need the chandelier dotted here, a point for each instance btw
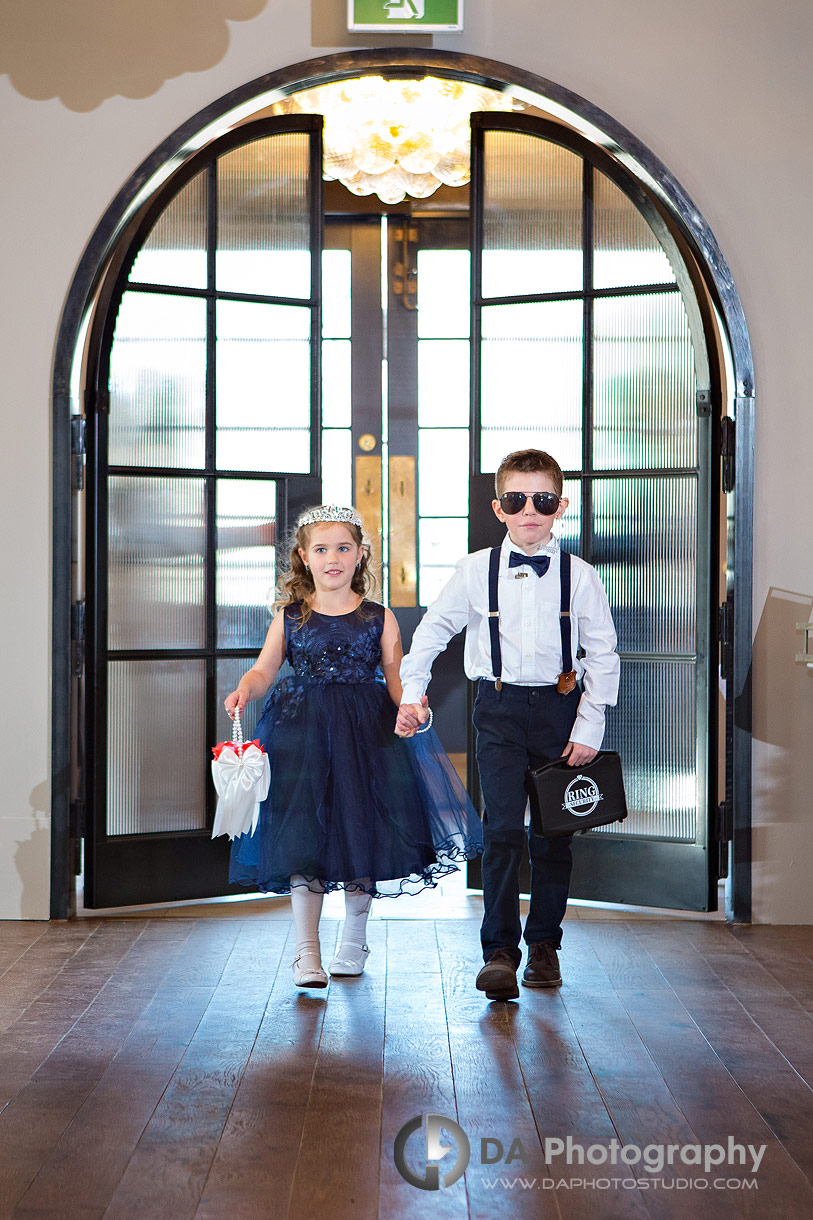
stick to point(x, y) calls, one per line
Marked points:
point(393, 138)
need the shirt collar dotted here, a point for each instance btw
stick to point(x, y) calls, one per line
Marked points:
point(549, 549)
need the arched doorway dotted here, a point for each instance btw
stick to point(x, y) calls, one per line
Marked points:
point(637, 362)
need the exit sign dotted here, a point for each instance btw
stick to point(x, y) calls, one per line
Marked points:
point(403, 16)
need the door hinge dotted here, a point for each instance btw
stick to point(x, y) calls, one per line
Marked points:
point(728, 444)
point(77, 638)
point(703, 402)
point(725, 636)
point(77, 452)
point(724, 822)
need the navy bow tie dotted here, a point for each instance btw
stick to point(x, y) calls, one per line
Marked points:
point(539, 563)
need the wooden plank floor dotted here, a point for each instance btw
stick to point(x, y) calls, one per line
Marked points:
point(167, 1068)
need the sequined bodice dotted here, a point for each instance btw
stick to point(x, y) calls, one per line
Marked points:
point(340, 648)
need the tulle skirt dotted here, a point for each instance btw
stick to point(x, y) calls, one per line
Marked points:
point(350, 804)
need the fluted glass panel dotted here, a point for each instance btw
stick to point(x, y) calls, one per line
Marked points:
point(263, 221)
point(158, 382)
point(653, 729)
point(156, 747)
point(645, 551)
point(263, 387)
point(336, 294)
point(443, 383)
point(644, 410)
point(443, 471)
point(532, 216)
point(229, 672)
point(337, 466)
point(245, 558)
point(569, 526)
point(175, 250)
point(336, 383)
point(444, 294)
point(626, 251)
point(531, 381)
point(443, 540)
point(156, 537)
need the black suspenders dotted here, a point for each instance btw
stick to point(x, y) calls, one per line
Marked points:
point(494, 616)
point(567, 678)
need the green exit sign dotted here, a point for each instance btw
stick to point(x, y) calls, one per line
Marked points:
point(404, 16)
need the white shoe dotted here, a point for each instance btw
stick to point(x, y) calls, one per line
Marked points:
point(349, 960)
point(308, 972)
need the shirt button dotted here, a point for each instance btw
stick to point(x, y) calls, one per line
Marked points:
point(526, 622)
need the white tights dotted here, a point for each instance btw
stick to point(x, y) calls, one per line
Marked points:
point(306, 908)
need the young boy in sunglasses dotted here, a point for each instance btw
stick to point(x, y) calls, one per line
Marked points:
point(527, 710)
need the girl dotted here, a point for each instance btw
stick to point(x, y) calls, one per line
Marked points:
point(350, 804)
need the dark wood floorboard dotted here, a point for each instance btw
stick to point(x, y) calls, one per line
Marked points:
point(168, 1069)
point(766, 1076)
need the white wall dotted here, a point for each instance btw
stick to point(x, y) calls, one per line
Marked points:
point(722, 93)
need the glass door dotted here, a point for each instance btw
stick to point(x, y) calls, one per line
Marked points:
point(201, 444)
point(586, 342)
point(395, 414)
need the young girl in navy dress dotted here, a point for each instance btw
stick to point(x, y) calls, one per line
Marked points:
point(351, 805)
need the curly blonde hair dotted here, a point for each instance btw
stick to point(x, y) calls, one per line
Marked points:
point(296, 584)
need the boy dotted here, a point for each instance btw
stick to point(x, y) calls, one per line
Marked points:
point(520, 716)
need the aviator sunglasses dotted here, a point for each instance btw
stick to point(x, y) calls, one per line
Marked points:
point(545, 502)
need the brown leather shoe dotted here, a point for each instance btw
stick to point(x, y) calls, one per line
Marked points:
point(542, 969)
point(498, 978)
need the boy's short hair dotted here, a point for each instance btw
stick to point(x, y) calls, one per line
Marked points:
point(529, 461)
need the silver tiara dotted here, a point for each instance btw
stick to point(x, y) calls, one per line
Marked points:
point(329, 512)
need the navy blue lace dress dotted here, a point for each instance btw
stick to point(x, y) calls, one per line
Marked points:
point(350, 804)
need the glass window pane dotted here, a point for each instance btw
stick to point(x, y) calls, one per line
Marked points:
point(246, 538)
point(626, 251)
point(155, 563)
point(337, 466)
point(443, 383)
point(158, 382)
point(263, 223)
point(444, 294)
point(442, 542)
point(568, 528)
point(644, 410)
point(532, 216)
point(229, 672)
point(531, 371)
point(156, 747)
point(654, 730)
point(336, 383)
point(443, 471)
point(336, 294)
point(175, 250)
point(263, 387)
point(645, 551)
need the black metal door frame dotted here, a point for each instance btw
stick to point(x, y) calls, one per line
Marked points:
point(149, 867)
point(88, 287)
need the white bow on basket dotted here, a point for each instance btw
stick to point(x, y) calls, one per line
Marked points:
point(242, 777)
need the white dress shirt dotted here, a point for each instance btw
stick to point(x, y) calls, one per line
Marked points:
point(530, 637)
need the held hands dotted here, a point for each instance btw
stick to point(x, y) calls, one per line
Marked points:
point(578, 755)
point(411, 716)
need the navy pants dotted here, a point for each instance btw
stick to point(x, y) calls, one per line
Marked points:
point(520, 727)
